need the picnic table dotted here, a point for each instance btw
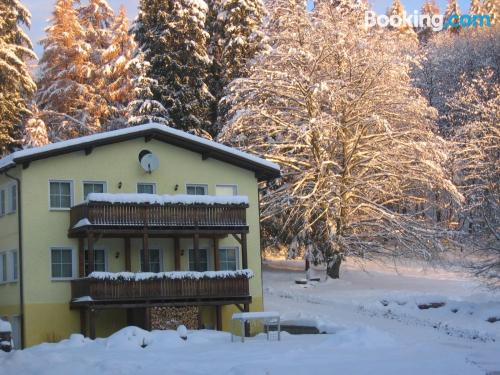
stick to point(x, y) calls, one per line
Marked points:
point(267, 317)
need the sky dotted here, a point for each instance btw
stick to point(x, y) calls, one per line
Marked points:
point(41, 11)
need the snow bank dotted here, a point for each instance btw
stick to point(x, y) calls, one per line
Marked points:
point(5, 326)
point(166, 199)
point(131, 276)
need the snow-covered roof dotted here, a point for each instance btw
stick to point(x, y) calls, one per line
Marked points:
point(263, 168)
point(166, 199)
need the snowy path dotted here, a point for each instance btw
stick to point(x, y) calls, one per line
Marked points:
point(364, 340)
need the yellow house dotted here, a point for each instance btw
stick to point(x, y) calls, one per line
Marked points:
point(146, 226)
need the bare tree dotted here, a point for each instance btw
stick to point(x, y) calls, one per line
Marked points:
point(333, 104)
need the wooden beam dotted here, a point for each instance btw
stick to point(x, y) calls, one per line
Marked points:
point(81, 257)
point(239, 307)
point(92, 318)
point(205, 155)
point(177, 254)
point(148, 138)
point(196, 248)
point(218, 317)
point(88, 150)
point(216, 254)
point(246, 308)
point(128, 260)
point(145, 249)
point(244, 252)
point(26, 165)
point(147, 319)
point(236, 237)
point(90, 251)
point(83, 322)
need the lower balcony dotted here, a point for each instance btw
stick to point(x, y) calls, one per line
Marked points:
point(129, 290)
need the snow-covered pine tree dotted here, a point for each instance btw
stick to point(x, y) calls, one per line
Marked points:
point(452, 8)
point(476, 132)
point(16, 86)
point(334, 105)
point(491, 7)
point(235, 37)
point(429, 8)
point(35, 130)
point(96, 18)
point(118, 72)
point(63, 89)
point(172, 36)
point(405, 29)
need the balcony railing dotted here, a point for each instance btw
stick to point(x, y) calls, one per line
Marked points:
point(95, 290)
point(156, 215)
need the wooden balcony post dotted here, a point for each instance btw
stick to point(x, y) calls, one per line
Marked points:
point(92, 332)
point(216, 254)
point(196, 248)
point(90, 251)
point(128, 263)
point(218, 317)
point(145, 249)
point(81, 257)
point(177, 254)
point(244, 253)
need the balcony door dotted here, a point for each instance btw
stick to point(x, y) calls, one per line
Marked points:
point(155, 260)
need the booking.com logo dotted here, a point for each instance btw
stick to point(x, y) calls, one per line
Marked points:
point(436, 22)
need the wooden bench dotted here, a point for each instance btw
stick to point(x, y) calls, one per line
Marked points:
point(267, 317)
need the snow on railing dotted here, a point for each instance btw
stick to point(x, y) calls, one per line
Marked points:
point(139, 276)
point(166, 199)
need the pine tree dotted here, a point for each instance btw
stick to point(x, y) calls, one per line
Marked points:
point(35, 130)
point(16, 86)
point(490, 7)
point(118, 72)
point(96, 18)
point(64, 92)
point(235, 38)
point(172, 36)
point(406, 29)
point(452, 9)
point(475, 7)
point(430, 9)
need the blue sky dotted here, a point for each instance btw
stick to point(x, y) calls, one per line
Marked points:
point(41, 10)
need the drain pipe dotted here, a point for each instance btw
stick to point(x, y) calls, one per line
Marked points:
point(20, 252)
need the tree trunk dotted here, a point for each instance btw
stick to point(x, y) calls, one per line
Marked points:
point(333, 269)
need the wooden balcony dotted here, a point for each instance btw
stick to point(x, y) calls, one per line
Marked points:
point(159, 291)
point(102, 215)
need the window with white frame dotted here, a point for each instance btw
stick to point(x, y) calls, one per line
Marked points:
point(61, 195)
point(93, 187)
point(99, 261)
point(154, 260)
point(226, 190)
point(2, 202)
point(146, 188)
point(12, 198)
point(202, 259)
point(3, 267)
point(196, 189)
point(62, 263)
point(228, 258)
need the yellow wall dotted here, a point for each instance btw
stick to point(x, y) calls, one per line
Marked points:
point(114, 164)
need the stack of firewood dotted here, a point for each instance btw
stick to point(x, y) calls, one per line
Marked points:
point(172, 317)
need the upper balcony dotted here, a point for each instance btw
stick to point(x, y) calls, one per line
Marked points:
point(176, 213)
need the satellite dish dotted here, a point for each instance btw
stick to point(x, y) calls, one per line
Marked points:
point(149, 161)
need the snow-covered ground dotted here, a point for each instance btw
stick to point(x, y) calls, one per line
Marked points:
point(372, 320)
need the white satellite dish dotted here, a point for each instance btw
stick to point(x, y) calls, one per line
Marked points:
point(149, 161)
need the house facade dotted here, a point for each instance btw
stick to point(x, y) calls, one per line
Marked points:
point(76, 215)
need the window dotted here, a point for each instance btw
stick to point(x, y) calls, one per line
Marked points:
point(226, 190)
point(143, 188)
point(228, 259)
point(202, 257)
point(3, 267)
point(61, 195)
point(62, 263)
point(13, 257)
point(194, 189)
point(13, 198)
point(154, 260)
point(99, 260)
point(2, 202)
point(93, 187)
